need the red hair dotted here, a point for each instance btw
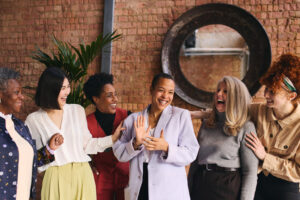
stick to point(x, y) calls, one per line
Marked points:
point(286, 65)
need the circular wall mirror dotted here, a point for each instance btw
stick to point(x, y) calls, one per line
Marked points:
point(209, 42)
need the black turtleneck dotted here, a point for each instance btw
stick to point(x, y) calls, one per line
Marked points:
point(106, 121)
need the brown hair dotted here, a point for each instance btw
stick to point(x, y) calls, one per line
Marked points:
point(286, 65)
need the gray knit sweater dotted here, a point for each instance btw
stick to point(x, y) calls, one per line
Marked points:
point(229, 151)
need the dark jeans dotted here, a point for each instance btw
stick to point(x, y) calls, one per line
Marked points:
point(143, 194)
point(270, 187)
point(212, 185)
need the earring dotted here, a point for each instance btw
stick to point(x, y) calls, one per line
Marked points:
point(0, 100)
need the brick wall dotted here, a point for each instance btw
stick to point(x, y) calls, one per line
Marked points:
point(143, 24)
point(25, 24)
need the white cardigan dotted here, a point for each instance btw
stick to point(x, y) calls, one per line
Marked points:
point(78, 141)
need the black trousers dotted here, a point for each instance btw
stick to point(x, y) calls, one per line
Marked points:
point(215, 185)
point(270, 187)
point(143, 194)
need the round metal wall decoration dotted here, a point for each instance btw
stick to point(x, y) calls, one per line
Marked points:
point(217, 13)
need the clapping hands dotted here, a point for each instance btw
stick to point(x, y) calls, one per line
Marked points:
point(142, 137)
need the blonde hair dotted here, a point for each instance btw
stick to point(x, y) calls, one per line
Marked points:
point(237, 106)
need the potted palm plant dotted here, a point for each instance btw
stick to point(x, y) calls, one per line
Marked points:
point(74, 61)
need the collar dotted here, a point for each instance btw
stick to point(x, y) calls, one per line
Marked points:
point(294, 116)
point(221, 117)
point(5, 116)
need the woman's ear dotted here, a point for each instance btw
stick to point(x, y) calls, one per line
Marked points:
point(95, 99)
point(292, 96)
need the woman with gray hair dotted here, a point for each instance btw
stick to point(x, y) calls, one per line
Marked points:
point(19, 158)
point(225, 168)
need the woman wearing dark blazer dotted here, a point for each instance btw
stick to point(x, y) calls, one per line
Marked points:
point(19, 158)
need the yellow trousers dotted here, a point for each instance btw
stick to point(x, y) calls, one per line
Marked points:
point(73, 181)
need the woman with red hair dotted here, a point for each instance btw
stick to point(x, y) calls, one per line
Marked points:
point(277, 144)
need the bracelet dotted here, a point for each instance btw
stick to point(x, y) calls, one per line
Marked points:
point(50, 150)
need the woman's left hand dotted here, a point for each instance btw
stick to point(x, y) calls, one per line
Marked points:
point(153, 143)
point(256, 146)
point(117, 134)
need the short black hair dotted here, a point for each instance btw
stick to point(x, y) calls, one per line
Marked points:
point(49, 87)
point(94, 85)
point(159, 76)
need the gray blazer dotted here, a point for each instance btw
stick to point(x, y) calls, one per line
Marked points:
point(167, 176)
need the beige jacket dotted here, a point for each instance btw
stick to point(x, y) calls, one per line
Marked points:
point(281, 139)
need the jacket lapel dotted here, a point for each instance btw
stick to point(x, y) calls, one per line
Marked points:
point(163, 120)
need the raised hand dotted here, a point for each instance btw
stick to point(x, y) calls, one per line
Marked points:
point(256, 146)
point(55, 141)
point(141, 133)
point(117, 132)
point(154, 144)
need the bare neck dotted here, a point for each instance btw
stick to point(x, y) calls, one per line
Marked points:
point(54, 112)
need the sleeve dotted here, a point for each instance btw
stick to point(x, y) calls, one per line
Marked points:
point(187, 148)
point(31, 124)
point(123, 148)
point(283, 168)
point(92, 145)
point(34, 131)
point(43, 158)
point(249, 165)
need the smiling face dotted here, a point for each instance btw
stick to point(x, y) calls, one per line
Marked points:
point(64, 93)
point(277, 100)
point(162, 94)
point(220, 97)
point(11, 97)
point(107, 101)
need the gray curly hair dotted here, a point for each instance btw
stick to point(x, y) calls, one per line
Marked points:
point(5, 75)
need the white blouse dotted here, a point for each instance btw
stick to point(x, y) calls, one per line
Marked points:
point(78, 141)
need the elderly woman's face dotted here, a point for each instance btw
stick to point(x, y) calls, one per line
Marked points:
point(12, 97)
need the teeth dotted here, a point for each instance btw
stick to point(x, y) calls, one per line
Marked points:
point(113, 104)
point(162, 102)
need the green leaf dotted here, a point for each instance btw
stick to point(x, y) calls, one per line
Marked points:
point(74, 61)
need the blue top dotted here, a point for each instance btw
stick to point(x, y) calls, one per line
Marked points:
point(9, 157)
